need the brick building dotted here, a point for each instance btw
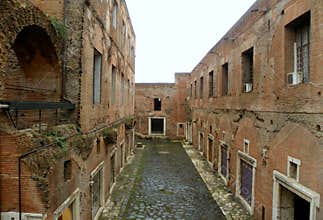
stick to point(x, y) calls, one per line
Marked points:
point(67, 106)
point(160, 108)
point(257, 109)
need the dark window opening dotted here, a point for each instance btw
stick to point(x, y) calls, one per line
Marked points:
point(157, 104)
point(293, 170)
point(98, 147)
point(122, 89)
point(201, 87)
point(225, 79)
point(211, 84)
point(195, 89)
point(157, 126)
point(113, 85)
point(67, 170)
point(247, 70)
point(210, 150)
point(224, 160)
point(112, 170)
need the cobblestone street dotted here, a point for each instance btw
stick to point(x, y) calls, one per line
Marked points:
point(166, 186)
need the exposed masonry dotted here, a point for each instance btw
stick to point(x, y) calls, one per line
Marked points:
point(53, 43)
point(279, 111)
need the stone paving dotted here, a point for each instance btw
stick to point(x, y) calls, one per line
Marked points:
point(168, 186)
point(231, 208)
point(161, 182)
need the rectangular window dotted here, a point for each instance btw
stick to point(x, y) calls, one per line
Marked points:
point(191, 91)
point(123, 33)
point(97, 63)
point(113, 84)
point(293, 168)
point(211, 84)
point(129, 46)
point(246, 181)
point(246, 171)
point(224, 160)
point(195, 89)
point(112, 171)
point(115, 14)
point(225, 79)
point(303, 51)
point(157, 104)
point(201, 87)
point(247, 70)
point(297, 49)
point(97, 183)
point(246, 146)
point(122, 89)
point(133, 53)
point(128, 92)
point(67, 170)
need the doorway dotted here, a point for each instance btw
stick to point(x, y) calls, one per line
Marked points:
point(210, 150)
point(292, 200)
point(201, 142)
point(112, 171)
point(293, 206)
point(157, 126)
point(180, 129)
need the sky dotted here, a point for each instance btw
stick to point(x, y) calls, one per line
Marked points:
point(174, 35)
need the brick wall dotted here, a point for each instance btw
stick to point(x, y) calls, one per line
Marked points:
point(173, 105)
point(279, 120)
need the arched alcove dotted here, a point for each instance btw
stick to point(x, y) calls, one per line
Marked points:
point(34, 70)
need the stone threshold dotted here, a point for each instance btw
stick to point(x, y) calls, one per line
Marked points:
point(230, 206)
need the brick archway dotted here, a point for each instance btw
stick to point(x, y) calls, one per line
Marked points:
point(17, 15)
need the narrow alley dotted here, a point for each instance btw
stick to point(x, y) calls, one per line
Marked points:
point(166, 186)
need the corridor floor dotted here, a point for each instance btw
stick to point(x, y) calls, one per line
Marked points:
point(167, 186)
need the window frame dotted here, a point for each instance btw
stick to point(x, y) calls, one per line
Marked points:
point(99, 170)
point(295, 72)
point(248, 69)
point(225, 80)
point(114, 73)
point(115, 14)
point(97, 77)
point(253, 163)
point(211, 84)
point(157, 104)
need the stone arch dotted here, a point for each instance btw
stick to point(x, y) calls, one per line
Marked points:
point(16, 16)
point(296, 166)
point(225, 125)
point(298, 142)
point(247, 130)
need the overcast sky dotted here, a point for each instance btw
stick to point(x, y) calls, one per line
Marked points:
point(174, 35)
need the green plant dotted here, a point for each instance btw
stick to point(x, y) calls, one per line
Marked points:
point(129, 122)
point(59, 26)
point(110, 135)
